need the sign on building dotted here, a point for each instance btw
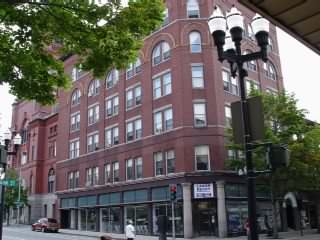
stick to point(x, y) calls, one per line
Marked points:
point(203, 190)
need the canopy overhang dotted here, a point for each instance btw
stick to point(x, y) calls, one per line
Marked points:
point(299, 18)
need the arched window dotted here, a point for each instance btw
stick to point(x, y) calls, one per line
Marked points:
point(251, 65)
point(193, 10)
point(112, 78)
point(75, 97)
point(161, 52)
point(94, 87)
point(270, 71)
point(195, 42)
point(134, 68)
point(51, 180)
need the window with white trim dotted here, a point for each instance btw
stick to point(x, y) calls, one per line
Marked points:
point(74, 148)
point(112, 78)
point(193, 10)
point(75, 98)
point(129, 169)
point(134, 130)
point(133, 69)
point(115, 172)
point(161, 52)
point(230, 84)
point(112, 136)
point(73, 179)
point(199, 114)
point(270, 71)
point(133, 97)
point(228, 116)
point(94, 88)
point(76, 73)
point(93, 114)
point(250, 65)
point(93, 142)
point(158, 164)
point(112, 106)
point(170, 161)
point(195, 42)
point(107, 173)
point(162, 85)
point(202, 158)
point(92, 176)
point(163, 120)
point(138, 168)
point(197, 76)
point(252, 85)
point(75, 122)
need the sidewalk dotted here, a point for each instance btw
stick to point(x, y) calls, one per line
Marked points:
point(292, 235)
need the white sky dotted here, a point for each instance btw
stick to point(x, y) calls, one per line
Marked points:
point(299, 67)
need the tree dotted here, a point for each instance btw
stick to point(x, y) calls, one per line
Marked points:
point(12, 193)
point(103, 36)
point(286, 124)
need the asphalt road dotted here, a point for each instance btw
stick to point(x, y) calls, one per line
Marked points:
point(25, 233)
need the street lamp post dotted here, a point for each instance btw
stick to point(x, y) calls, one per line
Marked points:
point(227, 34)
point(4, 151)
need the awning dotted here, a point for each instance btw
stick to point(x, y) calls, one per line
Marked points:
point(299, 18)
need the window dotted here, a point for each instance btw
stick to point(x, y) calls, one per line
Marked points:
point(112, 78)
point(197, 76)
point(73, 179)
point(112, 136)
point(112, 105)
point(134, 130)
point(52, 150)
point(115, 171)
point(163, 120)
point(251, 65)
point(75, 122)
point(76, 73)
point(228, 116)
point(202, 158)
point(162, 86)
point(133, 97)
point(193, 10)
point(51, 180)
point(252, 85)
point(107, 173)
point(269, 71)
point(129, 169)
point(195, 42)
point(74, 148)
point(230, 84)
point(94, 88)
point(93, 114)
point(160, 53)
point(272, 91)
point(158, 163)
point(170, 160)
point(133, 69)
point(75, 98)
point(270, 46)
point(92, 176)
point(138, 168)
point(199, 114)
point(166, 17)
point(92, 142)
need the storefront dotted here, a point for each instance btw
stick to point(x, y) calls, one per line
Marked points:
point(88, 213)
point(204, 210)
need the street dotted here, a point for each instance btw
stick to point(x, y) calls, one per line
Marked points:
point(25, 233)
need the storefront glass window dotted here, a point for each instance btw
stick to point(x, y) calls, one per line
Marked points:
point(88, 218)
point(111, 220)
point(139, 216)
point(237, 215)
point(165, 209)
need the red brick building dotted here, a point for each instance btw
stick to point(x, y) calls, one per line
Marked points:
point(121, 140)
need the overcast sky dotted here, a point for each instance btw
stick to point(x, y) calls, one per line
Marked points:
point(299, 67)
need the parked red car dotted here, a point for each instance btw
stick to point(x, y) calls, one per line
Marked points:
point(46, 225)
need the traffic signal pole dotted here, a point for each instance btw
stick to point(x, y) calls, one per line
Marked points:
point(173, 222)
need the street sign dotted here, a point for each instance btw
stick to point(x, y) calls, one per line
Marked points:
point(8, 182)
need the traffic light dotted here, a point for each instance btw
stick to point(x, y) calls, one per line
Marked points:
point(173, 192)
point(278, 156)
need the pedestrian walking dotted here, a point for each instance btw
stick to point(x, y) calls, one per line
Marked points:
point(130, 231)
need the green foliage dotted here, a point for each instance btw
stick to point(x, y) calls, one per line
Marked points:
point(285, 123)
point(12, 193)
point(103, 37)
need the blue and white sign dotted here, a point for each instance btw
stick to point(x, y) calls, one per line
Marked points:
point(203, 190)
